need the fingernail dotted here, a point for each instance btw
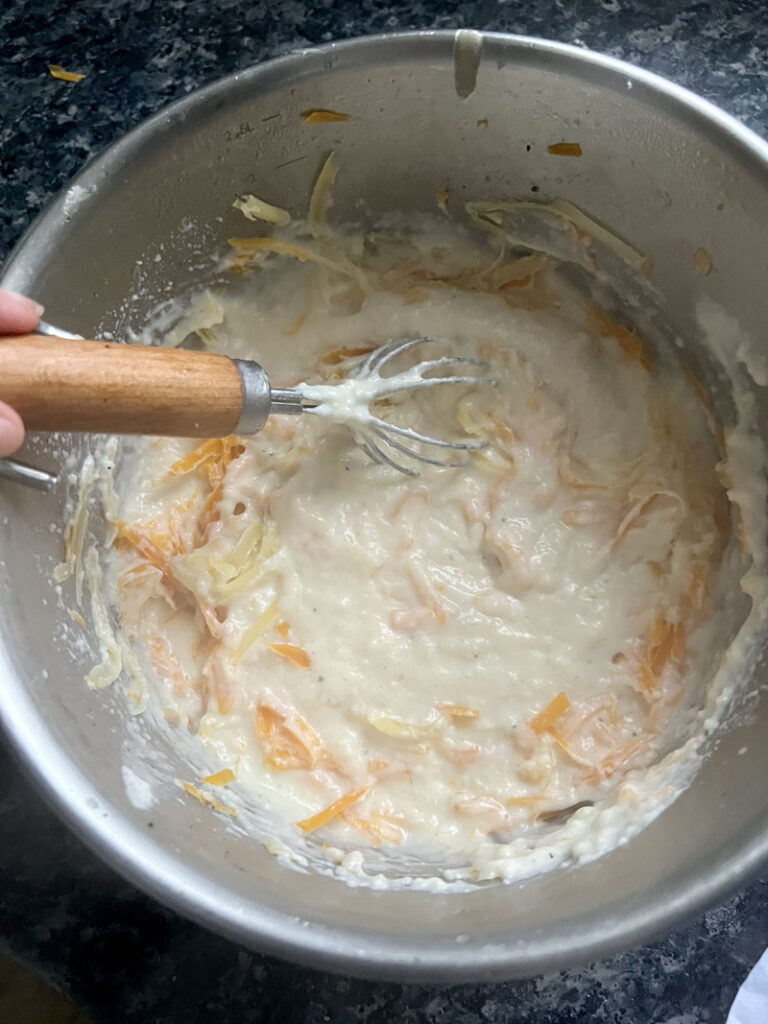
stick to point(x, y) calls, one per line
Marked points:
point(20, 303)
point(17, 312)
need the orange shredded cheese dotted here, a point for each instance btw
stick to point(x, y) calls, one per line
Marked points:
point(698, 586)
point(222, 778)
point(565, 149)
point(289, 745)
point(210, 455)
point(648, 674)
point(155, 547)
point(214, 678)
point(666, 644)
point(283, 629)
point(378, 827)
point(546, 718)
point(338, 355)
point(618, 759)
point(294, 654)
point(199, 456)
point(270, 243)
point(630, 340)
point(56, 71)
point(563, 744)
point(678, 643)
point(267, 244)
point(700, 391)
point(332, 811)
point(213, 456)
point(320, 116)
point(636, 515)
point(242, 267)
point(516, 282)
point(297, 324)
point(210, 801)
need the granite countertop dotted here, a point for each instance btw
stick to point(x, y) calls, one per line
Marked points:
point(120, 954)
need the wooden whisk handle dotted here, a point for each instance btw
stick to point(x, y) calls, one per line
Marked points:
point(104, 387)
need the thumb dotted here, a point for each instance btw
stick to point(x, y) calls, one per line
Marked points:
point(11, 430)
point(18, 314)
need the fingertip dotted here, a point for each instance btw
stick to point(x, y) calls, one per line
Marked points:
point(18, 313)
point(11, 430)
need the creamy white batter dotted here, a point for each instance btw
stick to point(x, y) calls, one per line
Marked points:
point(452, 668)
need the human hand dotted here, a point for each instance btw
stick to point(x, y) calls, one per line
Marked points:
point(18, 315)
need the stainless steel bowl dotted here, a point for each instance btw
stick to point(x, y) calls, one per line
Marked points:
point(669, 171)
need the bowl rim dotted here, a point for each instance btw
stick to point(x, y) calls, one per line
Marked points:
point(143, 861)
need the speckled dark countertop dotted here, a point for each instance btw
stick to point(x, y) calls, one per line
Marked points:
point(122, 956)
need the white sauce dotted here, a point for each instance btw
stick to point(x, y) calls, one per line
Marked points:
point(420, 626)
point(139, 790)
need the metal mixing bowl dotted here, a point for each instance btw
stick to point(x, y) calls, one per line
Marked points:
point(667, 170)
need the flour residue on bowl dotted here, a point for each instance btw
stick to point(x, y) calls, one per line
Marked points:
point(477, 673)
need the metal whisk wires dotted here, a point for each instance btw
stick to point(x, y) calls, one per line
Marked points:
point(385, 442)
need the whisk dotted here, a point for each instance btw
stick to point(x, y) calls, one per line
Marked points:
point(61, 382)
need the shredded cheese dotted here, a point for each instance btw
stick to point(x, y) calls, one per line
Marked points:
point(258, 628)
point(56, 71)
point(105, 673)
point(208, 799)
point(317, 218)
point(320, 116)
point(332, 811)
point(565, 149)
point(289, 744)
point(458, 710)
point(549, 715)
point(257, 209)
point(297, 655)
point(222, 778)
